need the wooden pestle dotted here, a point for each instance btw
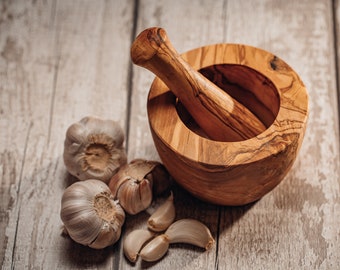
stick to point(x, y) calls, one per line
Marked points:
point(220, 116)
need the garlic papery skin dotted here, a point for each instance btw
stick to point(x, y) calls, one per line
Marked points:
point(93, 149)
point(135, 195)
point(155, 249)
point(133, 243)
point(164, 215)
point(131, 188)
point(160, 179)
point(139, 169)
point(190, 231)
point(90, 214)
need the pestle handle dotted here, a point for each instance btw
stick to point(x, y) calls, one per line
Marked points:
point(219, 115)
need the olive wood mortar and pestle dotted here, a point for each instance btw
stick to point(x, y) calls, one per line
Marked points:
point(227, 120)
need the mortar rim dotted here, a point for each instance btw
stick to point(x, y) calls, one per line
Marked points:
point(286, 81)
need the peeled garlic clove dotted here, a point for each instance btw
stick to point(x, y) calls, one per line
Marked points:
point(134, 241)
point(155, 249)
point(90, 215)
point(93, 149)
point(161, 219)
point(190, 231)
point(135, 196)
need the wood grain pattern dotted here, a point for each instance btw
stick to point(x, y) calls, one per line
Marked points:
point(336, 20)
point(56, 61)
point(62, 60)
point(303, 207)
point(233, 172)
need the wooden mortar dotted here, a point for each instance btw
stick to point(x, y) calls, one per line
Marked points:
point(232, 172)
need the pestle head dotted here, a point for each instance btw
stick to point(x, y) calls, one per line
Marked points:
point(147, 46)
point(217, 113)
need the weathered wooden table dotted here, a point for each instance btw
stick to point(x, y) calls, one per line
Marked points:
point(62, 60)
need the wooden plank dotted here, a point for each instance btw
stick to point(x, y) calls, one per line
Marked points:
point(295, 225)
point(336, 15)
point(181, 20)
point(72, 61)
point(18, 109)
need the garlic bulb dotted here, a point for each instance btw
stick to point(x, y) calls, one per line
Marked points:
point(93, 149)
point(134, 241)
point(130, 186)
point(165, 214)
point(90, 215)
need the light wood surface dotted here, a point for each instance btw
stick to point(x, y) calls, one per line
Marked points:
point(62, 60)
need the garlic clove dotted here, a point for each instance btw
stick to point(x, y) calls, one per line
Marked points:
point(129, 186)
point(162, 218)
point(140, 169)
point(190, 231)
point(133, 243)
point(136, 169)
point(89, 211)
point(93, 149)
point(135, 196)
point(145, 191)
point(132, 185)
point(155, 249)
point(118, 180)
